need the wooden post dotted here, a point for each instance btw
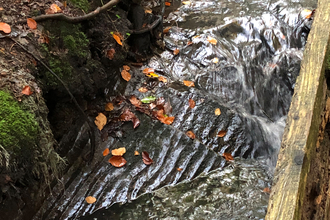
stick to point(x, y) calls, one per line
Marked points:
point(302, 126)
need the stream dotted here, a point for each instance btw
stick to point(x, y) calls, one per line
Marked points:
point(249, 74)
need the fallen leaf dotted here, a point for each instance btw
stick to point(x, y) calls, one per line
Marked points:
point(108, 107)
point(228, 156)
point(117, 161)
point(191, 134)
point(136, 102)
point(168, 3)
point(148, 70)
point(179, 169)
point(106, 152)
point(126, 75)
point(176, 51)
point(188, 83)
point(152, 75)
point(212, 40)
point(215, 60)
point(148, 11)
point(119, 151)
point(5, 27)
point(217, 111)
point(117, 38)
point(189, 43)
point(136, 153)
point(166, 30)
point(162, 79)
point(148, 99)
point(186, 2)
point(146, 159)
point(100, 121)
point(306, 13)
point(221, 133)
point(111, 53)
point(192, 103)
point(127, 68)
point(129, 116)
point(163, 118)
point(26, 90)
point(32, 23)
point(143, 90)
point(90, 199)
point(266, 190)
point(53, 9)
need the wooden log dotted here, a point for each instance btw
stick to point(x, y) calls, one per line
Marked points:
point(302, 127)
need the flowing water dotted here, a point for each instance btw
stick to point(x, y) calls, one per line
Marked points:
point(259, 48)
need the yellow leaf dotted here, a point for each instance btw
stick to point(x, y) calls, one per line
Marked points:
point(100, 121)
point(117, 38)
point(108, 107)
point(152, 75)
point(90, 199)
point(215, 60)
point(217, 111)
point(119, 151)
point(212, 40)
point(186, 2)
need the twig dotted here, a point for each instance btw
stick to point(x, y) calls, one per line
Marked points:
point(91, 132)
point(63, 17)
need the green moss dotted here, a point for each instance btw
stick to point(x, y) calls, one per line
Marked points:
point(18, 128)
point(82, 4)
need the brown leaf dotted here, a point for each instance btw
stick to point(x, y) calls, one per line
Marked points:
point(90, 199)
point(106, 152)
point(192, 103)
point(162, 79)
point(26, 90)
point(164, 119)
point(176, 51)
point(217, 111)
point(179, 169)
point(53, 9)
point(212, 40)
point(136, 102)
point(5, 27)
point(136, 153)
point(32, 23)
point(143, 90)
point(222, 133)
point(266, 190)
point(119, 151)
point(228, 156)
point(146, 159)
point(117, 161)
point(126, 75)
point(191, 134)
point(168, 3)
point(129, 116)
point(166, 30)
point(189, 43)
point(188, 83)
point(100, 121)
point(127, 68)
point(109, 107)
point(117, 38)
point(111, 53)
point(148, 70)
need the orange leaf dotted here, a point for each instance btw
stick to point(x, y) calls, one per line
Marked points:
point(146, 159)
point(189, 43)
point(100, 121)
point(127, 68)
point(192, 103)
point(117, 161)
point(108, 107)
point(266, 190)
point(188, 83)
point(221, 133)
point(217, 111)
point(5, 27)
point(32, 23)
point(111, 53)
point(135, 101)
point(162, 79)
point(106, 152)
point(148, 70)
point(117, 38)
point(148, 11)
point(176, 51)
point(191, 134)
point(90, 199)
point(212, 40)
point(126, 75)
point(136, 153)
point(26, 90)
point(119, 151)
point(179, 169)
point(166, 30)
point(227, 156)
point(164, 119)
point(143, 90)
point(168, 3)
